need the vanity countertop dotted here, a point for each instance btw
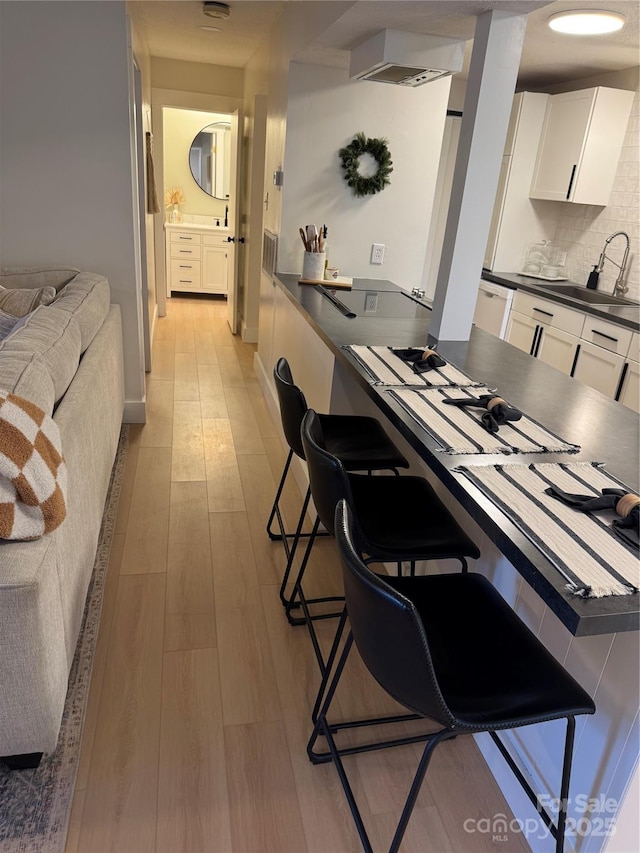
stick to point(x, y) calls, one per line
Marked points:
point(195, 226)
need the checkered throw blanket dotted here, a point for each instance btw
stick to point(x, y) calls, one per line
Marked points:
point(33, 475)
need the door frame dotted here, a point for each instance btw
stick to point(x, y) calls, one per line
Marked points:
point(177, 99)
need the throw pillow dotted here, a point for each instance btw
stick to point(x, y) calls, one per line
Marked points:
point(7, 324)
point(20, 301)
point(33, 474)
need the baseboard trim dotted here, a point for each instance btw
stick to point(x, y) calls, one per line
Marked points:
point(249, 334)
point(135, 412)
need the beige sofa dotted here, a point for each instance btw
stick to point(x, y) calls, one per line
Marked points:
point(66, 358)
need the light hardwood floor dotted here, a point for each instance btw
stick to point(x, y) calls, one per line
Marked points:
point(199, 707)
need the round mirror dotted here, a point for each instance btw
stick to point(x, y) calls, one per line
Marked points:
point(209, 158)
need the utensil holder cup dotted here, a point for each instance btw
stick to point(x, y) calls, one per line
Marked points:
point(313, 266)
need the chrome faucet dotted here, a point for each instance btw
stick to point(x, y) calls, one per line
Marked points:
point(619, 287)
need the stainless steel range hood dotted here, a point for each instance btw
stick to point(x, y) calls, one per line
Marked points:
point(406, 59)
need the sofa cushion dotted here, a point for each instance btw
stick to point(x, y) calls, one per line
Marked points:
point(87, 297)
point(50, 339)
point(21, 300)
point(36, 276)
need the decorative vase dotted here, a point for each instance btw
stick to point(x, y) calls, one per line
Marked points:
point(175, 213)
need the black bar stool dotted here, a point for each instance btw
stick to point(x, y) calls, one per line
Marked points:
point(450, 649)
point(398, 519)
point(359, 442)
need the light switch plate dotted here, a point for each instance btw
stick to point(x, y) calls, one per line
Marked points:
point(377, 253)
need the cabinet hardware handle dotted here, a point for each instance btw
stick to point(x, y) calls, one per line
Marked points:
point(623, 376)
point(186, 238)
point(573, 174)
point(488, 295)
point(240, 239)
point(540, 311)
point(231, 239)
point(185, 281)
point(602, 335)
point(535, 343)
point(185, 266)
point(185, 251)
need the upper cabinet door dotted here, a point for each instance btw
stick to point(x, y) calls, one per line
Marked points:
point(580, 145)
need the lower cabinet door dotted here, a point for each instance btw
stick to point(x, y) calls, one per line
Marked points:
point(599, 368)
point(558, 349)
point(215, 267)
point(630, 392)
point(521, 331)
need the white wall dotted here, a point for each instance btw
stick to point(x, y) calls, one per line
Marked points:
point(325, 111)
point(65, 153)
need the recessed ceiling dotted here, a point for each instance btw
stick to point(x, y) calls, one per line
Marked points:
point(171, 30)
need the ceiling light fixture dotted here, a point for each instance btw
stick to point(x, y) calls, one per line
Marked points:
point(210, 29)
point(586, 22)
point(216, 10)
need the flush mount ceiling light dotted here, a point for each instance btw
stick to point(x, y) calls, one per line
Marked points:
point(586, 22)
point(216, 10)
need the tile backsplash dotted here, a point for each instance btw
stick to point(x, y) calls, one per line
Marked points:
point(583, 228)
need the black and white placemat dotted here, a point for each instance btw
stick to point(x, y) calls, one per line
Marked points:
point(582, 546)
point(460, 430)
point(384, 367)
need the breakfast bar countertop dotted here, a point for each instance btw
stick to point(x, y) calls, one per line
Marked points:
point(607, 432)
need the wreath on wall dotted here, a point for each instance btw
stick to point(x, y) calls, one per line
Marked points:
point(350, 156)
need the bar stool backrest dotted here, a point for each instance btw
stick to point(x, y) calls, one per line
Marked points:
point(388, 631)
point(292, 405)
point(327, 477)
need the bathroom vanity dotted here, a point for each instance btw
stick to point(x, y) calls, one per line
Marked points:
point(197, 258)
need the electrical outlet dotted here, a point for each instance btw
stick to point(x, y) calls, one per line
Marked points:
point(377, 253)
point(371, 303)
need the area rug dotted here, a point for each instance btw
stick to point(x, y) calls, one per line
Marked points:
point(35, 804)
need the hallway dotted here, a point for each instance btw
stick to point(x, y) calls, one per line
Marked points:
point(201, 692)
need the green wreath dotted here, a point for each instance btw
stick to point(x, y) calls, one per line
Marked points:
point(350, 156)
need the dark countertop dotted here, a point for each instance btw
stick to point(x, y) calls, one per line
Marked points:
point(606, 430)
point(622, 315)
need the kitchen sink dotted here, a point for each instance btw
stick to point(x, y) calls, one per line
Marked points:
point(594, 297)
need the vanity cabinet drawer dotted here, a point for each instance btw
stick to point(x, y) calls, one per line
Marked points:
point(186, 250)
point(215, 240)
point(185, 237)
point(607, 335)
point(548, 313)
point(185, 275)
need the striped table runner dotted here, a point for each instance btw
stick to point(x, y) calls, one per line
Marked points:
point(385, 368)
point(583, 547)
point(460, 430)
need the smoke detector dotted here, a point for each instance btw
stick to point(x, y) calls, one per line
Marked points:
point(406, 59)
point(216, 10)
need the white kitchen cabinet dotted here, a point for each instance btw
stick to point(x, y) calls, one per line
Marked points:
point(580, 145)
point(522, 332)
point(516, 219)
point(547, 330)
point(197, 260)
point(557, 348)
point(630, 388)
point(603, 351)
point(630, 385)
point(599, 368)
